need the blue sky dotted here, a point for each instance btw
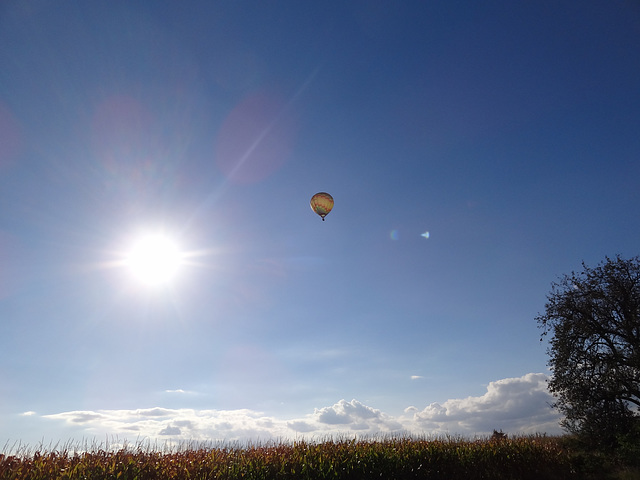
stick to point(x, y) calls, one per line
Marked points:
point(507, 130)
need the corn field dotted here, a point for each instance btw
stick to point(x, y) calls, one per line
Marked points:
point(535, 457)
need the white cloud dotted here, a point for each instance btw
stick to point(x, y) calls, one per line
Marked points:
point(515, 405)
point(356, 416)
point(512, 404)
point(172, 431)
point(181, 391)
point(300, 426)
point(351, 417)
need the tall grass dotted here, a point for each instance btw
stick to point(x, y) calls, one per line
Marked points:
point(535, 457)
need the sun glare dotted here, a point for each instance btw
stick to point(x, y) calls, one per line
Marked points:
point(154, 259)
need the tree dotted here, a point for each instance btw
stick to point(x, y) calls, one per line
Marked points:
point(594, 321)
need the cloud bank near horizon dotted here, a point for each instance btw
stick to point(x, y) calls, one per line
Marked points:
point(515, 405)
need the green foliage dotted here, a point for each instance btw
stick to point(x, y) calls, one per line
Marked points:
point(392, 459)
point(628, 451)
point(594, 320)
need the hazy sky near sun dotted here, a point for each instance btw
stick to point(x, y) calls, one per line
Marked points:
point(509, 131)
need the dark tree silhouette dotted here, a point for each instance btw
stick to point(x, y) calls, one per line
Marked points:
point(594, 321)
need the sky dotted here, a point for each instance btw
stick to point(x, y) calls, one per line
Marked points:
point(163, 277)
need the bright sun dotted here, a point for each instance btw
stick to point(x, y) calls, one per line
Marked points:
point(154, 259)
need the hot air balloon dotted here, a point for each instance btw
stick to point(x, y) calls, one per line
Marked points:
point(322, 203)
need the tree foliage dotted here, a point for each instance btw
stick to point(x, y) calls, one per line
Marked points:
point(594, 321)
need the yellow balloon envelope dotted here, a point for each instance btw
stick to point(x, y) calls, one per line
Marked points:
point(322, 203)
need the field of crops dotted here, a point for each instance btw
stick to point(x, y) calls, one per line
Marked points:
point(391, 458)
